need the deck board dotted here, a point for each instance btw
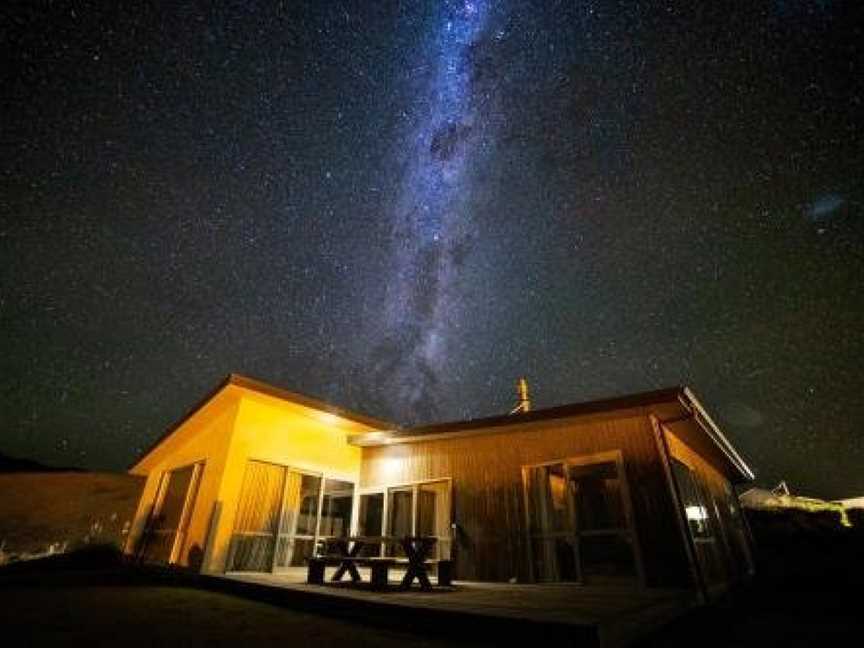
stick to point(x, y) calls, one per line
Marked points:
point(612, 615)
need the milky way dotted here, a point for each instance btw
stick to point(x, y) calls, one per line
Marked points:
point(431, 218)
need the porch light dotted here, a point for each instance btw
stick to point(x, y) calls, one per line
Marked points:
point(379, 437)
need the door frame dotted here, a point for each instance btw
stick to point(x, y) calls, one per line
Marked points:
point(279, 531)
point(324, 476)
point(186, 512)
point(414, 485)
point(573, 532)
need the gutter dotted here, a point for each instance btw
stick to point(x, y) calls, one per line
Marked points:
point(689, 401)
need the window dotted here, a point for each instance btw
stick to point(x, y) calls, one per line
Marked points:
point(370, 521)
point(256, 524)
point(693, 501)
point(165, 536)
point(553, 547)
point(433, 509)
point(696, 500)
point(336, 509)
point(604, 539)
point(400, 505)
point(423, 508)
point(546, 492)
point(283, 513)
point(597, 496)
point(299, 518)
point(577, 521)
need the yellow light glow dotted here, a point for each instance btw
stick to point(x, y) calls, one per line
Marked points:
point(391, 467)
point(328, 418)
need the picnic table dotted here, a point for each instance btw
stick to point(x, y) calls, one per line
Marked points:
point(345, 554)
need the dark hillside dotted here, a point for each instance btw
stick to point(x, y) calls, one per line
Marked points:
point(14, 465)
point(45, 512)
point(810, 572)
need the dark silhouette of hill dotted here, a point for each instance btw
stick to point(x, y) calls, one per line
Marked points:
point(16, 465)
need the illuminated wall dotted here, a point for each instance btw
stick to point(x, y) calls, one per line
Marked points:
point(203, 437)
point(236, 425)
point(488, 491)
point(270, 429)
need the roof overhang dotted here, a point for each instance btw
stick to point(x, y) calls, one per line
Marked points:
point(672, 406)
point(712, 431)
point(235, 384)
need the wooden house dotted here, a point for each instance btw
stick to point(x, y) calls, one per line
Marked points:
point(636, 490)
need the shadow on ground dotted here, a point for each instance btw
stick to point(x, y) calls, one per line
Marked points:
point(807, 589)
point(807, 592)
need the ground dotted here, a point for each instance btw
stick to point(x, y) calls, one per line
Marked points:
point(807, 589)
point(166, 615)
point(162, 615)
point(807, 592)
point(765, 618)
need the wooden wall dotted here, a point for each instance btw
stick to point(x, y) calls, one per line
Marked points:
point(726, 559)
point(488, 492)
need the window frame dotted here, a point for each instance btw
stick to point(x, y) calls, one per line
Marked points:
point(704, 494)
point(573, 532)
point(187, 510)
point(414, 485)
point(324, 475)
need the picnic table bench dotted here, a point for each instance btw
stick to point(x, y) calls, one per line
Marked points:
point(416, 549)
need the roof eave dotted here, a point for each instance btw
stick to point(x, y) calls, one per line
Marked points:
point(717, 437)
point(252, 384)
point(456, 428)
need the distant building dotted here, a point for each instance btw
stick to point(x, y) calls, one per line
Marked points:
point(634, 490)
point(780, 497)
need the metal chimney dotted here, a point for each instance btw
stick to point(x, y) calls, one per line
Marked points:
point(524, 401)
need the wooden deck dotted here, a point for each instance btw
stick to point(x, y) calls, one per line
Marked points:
point(581, 615)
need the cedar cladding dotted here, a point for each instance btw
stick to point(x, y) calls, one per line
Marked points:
point(488, 504)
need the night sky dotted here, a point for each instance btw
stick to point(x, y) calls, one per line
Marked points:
point(402, 207)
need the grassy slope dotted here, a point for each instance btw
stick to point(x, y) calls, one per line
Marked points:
point(78, 508)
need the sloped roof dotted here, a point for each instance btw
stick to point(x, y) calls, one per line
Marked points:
point(681, 399)
point(270, 390)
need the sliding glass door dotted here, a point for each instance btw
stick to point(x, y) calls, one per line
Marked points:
point(299, 519)
point(253, 543)
point(370, 521)
point(578, 520)
point(695, 499)
point(165, 536)
point(433, 517)
point(553, 545)
point(336, 508)
point(421, 509)
point(604, 538)
point(283, 513)
point(400, 516)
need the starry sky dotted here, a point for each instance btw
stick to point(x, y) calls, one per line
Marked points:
point(402, 207)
